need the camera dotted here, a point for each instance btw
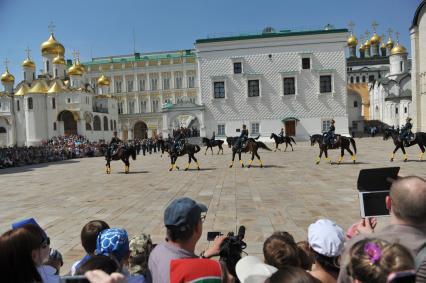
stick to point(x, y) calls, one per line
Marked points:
point(231, 249)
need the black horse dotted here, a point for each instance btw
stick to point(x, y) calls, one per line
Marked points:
point(190, 149)
point(232, 140)
point(279, 140)
point(251, 146)
point(123, 153)
point(210, 144)
point(420, 139)
point(341, 142)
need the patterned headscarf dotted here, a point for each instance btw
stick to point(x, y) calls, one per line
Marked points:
point(140, 249)
point(113, 242)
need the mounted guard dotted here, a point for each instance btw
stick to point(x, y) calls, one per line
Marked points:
point(406, 134)
point(242, 139)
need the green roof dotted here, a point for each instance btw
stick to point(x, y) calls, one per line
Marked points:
point(282, 33)
point(142, 57)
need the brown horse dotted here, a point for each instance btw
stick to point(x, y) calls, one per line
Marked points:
point(187, 148)
point(123, 153)
point(251, 146)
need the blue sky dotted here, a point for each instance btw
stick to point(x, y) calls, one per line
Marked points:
point(102, 28)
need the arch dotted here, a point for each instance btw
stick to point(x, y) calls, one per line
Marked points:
point(70, 122)
point(88, 127)
point(3, 130)
point(140, 130)
point(96, 123)
point(105, 123)
point(417, 15)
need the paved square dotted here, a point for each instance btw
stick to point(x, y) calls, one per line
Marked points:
point(288, 194)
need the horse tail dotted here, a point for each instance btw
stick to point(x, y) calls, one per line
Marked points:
point(291, 138)
point(353, 143)
point(197, 148)
point(262, 145)
point(257, 137)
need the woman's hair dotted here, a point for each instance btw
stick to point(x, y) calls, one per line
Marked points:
point(372, 260)
point(307, 256)
point(102, 262)
point(280, 250)
point(329, 264)
point(16, 261)
point(291, 274)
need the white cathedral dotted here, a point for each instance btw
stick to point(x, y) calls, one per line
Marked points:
point(57, 102)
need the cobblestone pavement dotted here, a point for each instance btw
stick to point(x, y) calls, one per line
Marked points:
point(288, 194)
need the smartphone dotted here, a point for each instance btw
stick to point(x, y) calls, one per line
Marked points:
point(408, 276)
point(74, 279)
point(373, 204)
point(212, 235)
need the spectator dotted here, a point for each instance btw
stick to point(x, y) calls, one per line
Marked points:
point(326, 239)
point(196, 270)
point(291, 274)
point(140, 249)
point(372, 260)
point(54, 261)
point(89, 235)
point(406, 204)
point(99, 262)
point(251, 269)
point(308, 257)
point(280, 250)
point(184, 222)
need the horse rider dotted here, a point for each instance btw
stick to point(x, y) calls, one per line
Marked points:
point(281, 134)
point(113, 144)
point(212, 139)
point(406, 132)
point(176, 147)
point(242, 138)
point(329, 136)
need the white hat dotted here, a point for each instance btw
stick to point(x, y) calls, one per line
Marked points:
point(251, 269)
point(326, 238)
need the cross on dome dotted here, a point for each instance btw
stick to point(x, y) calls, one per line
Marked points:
point(374, 24)
point(51, 27)
point(351, 26)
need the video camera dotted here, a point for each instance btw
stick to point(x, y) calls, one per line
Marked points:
point(231, 248)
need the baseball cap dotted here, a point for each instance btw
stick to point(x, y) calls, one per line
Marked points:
point(113, 242)
point(183, 211)
point(251, 269)
point(326, 237)
point(28, 221)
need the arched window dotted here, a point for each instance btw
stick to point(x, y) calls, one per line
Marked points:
point(110, 125)
point(115, 126)
point(352, 80)
point(30, 103)
point(105, 124)
point(97, 123)
point(47, 66)
point(363, 79)
point(2, 130)
point(357, 79)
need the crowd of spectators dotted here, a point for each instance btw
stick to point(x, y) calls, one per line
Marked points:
point(55, 149)
point(187, 132)
point(396, 253)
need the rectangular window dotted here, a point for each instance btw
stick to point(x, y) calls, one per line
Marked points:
point(396, 110)
point(289, 86)
point(253, 88)
point(143, 106)
point(155, 106)
point(120, 108)
point(357, 79)
point(219, 89)
point(238, 68)
point(141, 85)
point(325, 84)
point(355, 104)
point(191, 82)
point(54, 126)
point(30, 103)
point(129, 86)
point(401, 66)
point(53, 103)
point(131, 106)
point(153, 84)
point(306, 63)
point(326, 125)
point(69, 100)
point(221, 130)
point(405, 110)
point(25, 76)
point(118, 86)
point(178, 82)
point(254, 129)
point(166, 83)
point(17, 105)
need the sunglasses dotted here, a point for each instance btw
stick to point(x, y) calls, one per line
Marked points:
point(45, 242)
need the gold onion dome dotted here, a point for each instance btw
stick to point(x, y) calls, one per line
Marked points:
point(367, 44)
point(103, 81)
point(389, 44)
point(375, 39)
point(55, 87)
point(352, 40)
point(28, 63)
point(39, 87)
point(24, 89)
point(76, 69)
point(398, 49)
point(80, 67)
point(7, 77)
point(59, 60)
point(52, 47)
point(361, 47)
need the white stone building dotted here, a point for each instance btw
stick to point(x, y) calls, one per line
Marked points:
point(55, 103)
point(274, 79)
point(418, 53)
point(156, 92)
point(390, 96)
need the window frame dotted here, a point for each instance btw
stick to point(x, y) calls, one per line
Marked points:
point(283, 85)
point(224, 89)
point(219, 134)
point(331, 83)
point(259, 87)
point(30, 103)
point(327, 122)
point(304, 58)
point(240, 68)
point(253, 133)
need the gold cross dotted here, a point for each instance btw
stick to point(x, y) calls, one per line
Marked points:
point(351, 26)
point(6, 62)
point(28, 50)
point(374, 24)
point(51, 27)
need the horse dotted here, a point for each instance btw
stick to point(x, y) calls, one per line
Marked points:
point(188, 148)
point(342, 143)
point(279, 140)
point(123, 153)
point(251, 146)
point(420, 139)
point(210, 144)
point(231, 140)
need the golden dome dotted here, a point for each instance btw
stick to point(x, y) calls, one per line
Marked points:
point(103, 81)
point(361, 47)
point(75, 70)
point(383, 46)
point(52, 47)
point(352, 40)
point(398, 49)
point(367, 44)
point(22, 90)
point(28, 63)
point(59, 60)
point(7, 77)
point(55, 87)
point(375, 39)
point(81, 67)
point(39, 87)
point(389, 44)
